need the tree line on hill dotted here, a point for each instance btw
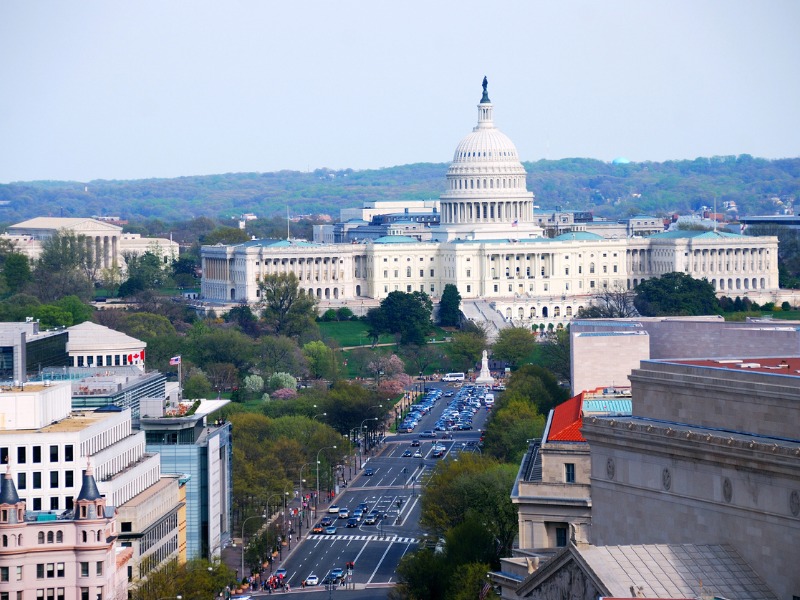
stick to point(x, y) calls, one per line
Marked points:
point(608, 189)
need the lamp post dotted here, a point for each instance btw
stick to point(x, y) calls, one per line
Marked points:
point(243, 544)
point(361, 428)
point(376, 418)
point(285, 510)
point(320, 415)
point(318, 453)
point(270, 497)
point(303, 504)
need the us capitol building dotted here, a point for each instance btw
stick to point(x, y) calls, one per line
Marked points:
point(489, 245)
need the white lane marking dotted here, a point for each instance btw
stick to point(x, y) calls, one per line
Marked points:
point(378, 566)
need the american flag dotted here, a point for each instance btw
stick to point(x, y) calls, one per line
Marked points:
point(175, 360)
point(515, 223)
point(485, 591)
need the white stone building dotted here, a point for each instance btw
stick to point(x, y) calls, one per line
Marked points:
point(105, 240)
point(491, 247)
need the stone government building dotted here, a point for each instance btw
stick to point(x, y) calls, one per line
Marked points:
point(491, 246)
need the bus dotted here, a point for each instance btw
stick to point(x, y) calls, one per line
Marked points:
point(453, 377)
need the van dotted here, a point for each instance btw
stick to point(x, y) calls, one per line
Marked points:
point(488, 399)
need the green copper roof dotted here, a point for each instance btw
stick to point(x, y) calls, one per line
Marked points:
point(583, 236)
point(695, 234)
point(395, 239)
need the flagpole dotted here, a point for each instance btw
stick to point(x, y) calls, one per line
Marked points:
point(180, 380)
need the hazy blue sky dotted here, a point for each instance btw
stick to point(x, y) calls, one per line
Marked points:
point(124, 89)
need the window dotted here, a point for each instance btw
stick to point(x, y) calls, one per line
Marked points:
point(37, 454)
point(50, 537)
point(59, 569)
point(40, 570)
point(19, 573)
point(37, 504)
point(59, 593)
point(84, 593)
point(569, 473)
point(84, 569)
point(54, 503)
point(469, 289)
point(59, 537)
point(3, 455)
point(469, 273)
point(99, 570)
point(51, 570)
point(68, 478)
point(22, 481)
point(53, 479)
point(21, 451)
point(431, 272)
point(3, 573)
point(561, 537)
point(37, 481)
point(495, 287)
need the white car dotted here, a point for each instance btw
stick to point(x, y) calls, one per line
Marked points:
point(312, 580)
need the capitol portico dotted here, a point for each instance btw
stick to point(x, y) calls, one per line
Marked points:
point(491, 247)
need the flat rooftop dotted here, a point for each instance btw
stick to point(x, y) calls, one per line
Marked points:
point(76, 421)
point(773, 365)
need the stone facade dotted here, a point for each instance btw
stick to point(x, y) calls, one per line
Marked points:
point(712, 455)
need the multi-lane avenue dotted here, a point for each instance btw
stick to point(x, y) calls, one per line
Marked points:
point(392, 491)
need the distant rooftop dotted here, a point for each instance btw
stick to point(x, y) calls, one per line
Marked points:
point(788, 365)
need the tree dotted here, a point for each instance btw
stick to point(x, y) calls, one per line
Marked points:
point(408, 315)
point(244, 318)
point(17, 271)
point(555, 353)
point(514, 345)
point(611, 303)
point(466, 349)
point(344, 314)
point(225, 235)
point(280, 353)
point(284, 307)
point(66, 265)
point(321, 360)
point(450, 306)
point(197, 385)
point(79, 310)
point(675, 294)
point(420, 358)
point(278, 381)
point(145, 271)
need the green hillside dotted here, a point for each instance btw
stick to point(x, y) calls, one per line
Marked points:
point(609, 190)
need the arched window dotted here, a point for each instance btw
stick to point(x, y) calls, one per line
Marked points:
point(40, 537)
point(408, 272)
point(84, 536)
point(569, 311)
point(591, 267)
point(544, 312)
point(557, 311)
point(59, 536)
point(50, 537)
point(5, 541)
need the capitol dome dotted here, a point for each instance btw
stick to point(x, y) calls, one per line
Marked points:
point(486, 180)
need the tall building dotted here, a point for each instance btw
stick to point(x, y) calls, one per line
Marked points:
point(491, 247)
point(66, 556)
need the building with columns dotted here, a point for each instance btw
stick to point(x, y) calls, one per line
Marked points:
point(106, 241)
point(490, 245)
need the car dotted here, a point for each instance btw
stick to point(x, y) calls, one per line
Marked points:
point(344, 513)
point(437, 453)
point(417, 454)
point(326, 521)
point(358, 513)
point(369, 472)
point(280, 573)
point(318, 528)
point(362, 506)
point(333, 508)
point(336, 573)
point(428, 433)
point(415, 443)
point(407, 454)
point(371, 519)
point(352, 522)
point(312, 580)
point(330, 530)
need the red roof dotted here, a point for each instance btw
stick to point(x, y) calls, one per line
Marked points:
point(567, 421)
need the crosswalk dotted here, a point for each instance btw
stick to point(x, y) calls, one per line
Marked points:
point(392, 539)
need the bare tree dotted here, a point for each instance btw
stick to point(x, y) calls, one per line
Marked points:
point(611, 303)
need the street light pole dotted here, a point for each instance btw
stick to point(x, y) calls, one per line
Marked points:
point(318, 453)
point(361, 428)
point(243, 544)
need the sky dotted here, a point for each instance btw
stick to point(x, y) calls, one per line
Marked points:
point(165, 88)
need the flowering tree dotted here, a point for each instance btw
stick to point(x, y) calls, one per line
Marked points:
point(284, 394)
point(388, 365)
point(278, 381)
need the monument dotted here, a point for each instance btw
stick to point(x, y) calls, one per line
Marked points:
point(485, 377)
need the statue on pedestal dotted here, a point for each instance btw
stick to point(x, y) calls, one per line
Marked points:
point(485, 376)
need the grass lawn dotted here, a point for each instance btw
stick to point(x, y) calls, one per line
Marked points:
point(354, 333)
